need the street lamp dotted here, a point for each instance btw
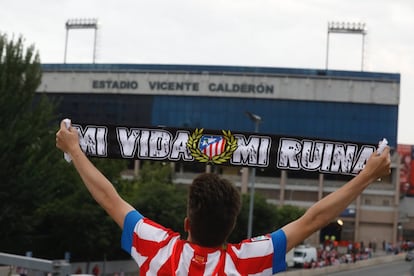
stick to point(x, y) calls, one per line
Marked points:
point(88, 23)
point(400, 233)
point(347, 28)
point(257, 120)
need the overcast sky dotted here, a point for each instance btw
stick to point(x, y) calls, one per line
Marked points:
point(270, 33)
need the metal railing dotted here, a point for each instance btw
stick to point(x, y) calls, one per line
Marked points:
point(55, 267)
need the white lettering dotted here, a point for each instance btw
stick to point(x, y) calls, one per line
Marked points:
point(179, 148)
point(287, 155)
point(93, 140)
point(323, 156)
point(255, 151)
point(159, 144)
point(312, 155)
point(327, 157)
point(343, 158)
point(364, 154)
point(127, 140)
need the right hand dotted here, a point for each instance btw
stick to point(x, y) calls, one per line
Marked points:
point(67, 140)
point(377, 165)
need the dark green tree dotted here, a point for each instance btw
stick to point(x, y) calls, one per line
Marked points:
point(75, 223)
point(44, 207)
point(288, 213)
point(26, 143)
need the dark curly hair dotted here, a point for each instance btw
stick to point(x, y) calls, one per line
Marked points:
point(213, 205)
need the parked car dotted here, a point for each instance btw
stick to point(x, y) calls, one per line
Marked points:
point(410, 256)
point(304, 255)
point(289, 259)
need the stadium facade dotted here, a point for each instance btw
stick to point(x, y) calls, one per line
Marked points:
point(349, 106)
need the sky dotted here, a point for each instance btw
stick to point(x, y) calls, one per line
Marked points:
point(265, 33)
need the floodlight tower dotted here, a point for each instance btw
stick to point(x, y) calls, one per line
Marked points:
point(87, 23)
point(347, 28)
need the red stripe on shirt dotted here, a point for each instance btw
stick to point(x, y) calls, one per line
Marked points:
point(198, 264)
point(251, 265)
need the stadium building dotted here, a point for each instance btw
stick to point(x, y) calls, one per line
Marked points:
point(359, 107)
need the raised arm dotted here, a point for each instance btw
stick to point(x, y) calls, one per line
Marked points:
point(331, 206)
point(98, 185)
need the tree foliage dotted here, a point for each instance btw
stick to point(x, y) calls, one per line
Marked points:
point(44, 207)
point(26, 141)
point(75, 223)
point(266, 217)
point(66, 220)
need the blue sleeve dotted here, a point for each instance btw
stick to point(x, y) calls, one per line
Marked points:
point(131, 220)
point(279, 251)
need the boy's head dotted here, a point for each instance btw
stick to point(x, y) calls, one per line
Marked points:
point(212, 208)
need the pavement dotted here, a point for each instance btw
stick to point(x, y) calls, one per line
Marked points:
point(380, 258)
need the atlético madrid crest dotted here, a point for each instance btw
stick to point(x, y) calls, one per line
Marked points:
point(216, 149)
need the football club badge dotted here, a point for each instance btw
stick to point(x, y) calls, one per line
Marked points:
point(212, 145)
point(216, 149)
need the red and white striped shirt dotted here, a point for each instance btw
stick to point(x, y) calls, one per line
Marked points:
point(160, 251)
